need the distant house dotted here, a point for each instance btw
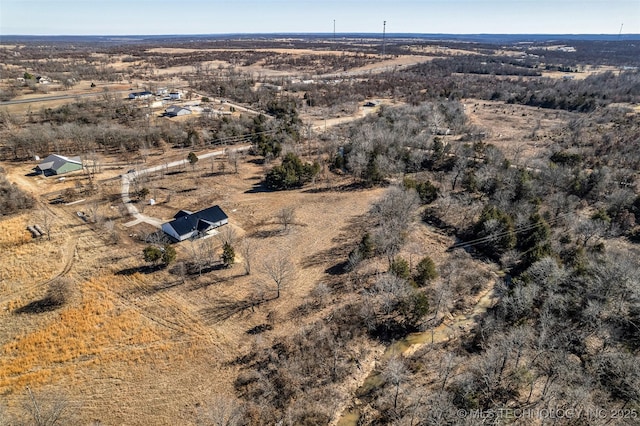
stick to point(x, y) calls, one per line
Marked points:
point(175, 95)
point(186, 224)
point(56, 164)
point(176, 111)
point(140, 95)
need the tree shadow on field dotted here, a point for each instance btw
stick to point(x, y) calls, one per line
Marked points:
point(215, 267)
point(216, 280)
point(144, 269)
point(174, 172)
point(339, 253)
point(184, 191)
point(57, 295)
point(256, 161)
point(213, 174)
point(337, 269)
point(224, 309)
point(46, 304)
point(157, 288)
point(259, 329)
point(351, 187)
point(266, 233)
point(258, 188)
point(346, 240)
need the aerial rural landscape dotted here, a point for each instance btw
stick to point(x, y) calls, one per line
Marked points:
point(319, 230)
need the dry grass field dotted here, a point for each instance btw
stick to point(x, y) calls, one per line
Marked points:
point(521, 132)
point(147, 340)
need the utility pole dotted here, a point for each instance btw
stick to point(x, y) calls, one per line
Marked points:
point(384, 30)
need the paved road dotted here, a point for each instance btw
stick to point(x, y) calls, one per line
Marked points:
point(127, 178)
point(60, 97)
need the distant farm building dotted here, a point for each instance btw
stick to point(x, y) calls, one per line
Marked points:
point(175, 95)
point(176, 111)
point(186, 224)
point(140, 95)
point(57, 164)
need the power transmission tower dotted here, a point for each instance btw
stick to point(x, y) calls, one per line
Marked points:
point(384, 30)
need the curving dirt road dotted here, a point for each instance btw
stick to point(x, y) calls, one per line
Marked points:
point(127, 178)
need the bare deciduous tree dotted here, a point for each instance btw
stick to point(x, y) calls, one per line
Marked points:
point(280, 269)
point(389, 237)
point(447, 364)
point(387, 293)
point(396, 203)
point(46, 411)
point(228, 235)
point(234, 160)
point(395, 374)
point(222, 411)
point(92, 208)
point(202, 253)
point(46, 222)
point(246, 251)
point(110, 227)
point(590, 229)
point(286, 216)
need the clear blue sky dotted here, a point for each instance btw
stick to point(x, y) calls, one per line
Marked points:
point(145, 17)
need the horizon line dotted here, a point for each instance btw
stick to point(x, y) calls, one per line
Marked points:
point(328, 34)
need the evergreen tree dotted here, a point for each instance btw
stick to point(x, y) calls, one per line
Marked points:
point(168, 254)
point(400, 268)
point(426, 271)
point(228, 255)
point(494, 232)
point(292, 173)
point(193, 159)
point(151, 254)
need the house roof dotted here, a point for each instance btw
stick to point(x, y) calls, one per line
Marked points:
point(212, 214)
point(175, 109)
point(145, 93)
point(186, 222)
point(55, 162)
point(182, 213)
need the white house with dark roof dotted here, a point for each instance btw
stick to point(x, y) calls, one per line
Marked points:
point(140, 95)
point(56, 164)
point(186, 224)
point(176, 111)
